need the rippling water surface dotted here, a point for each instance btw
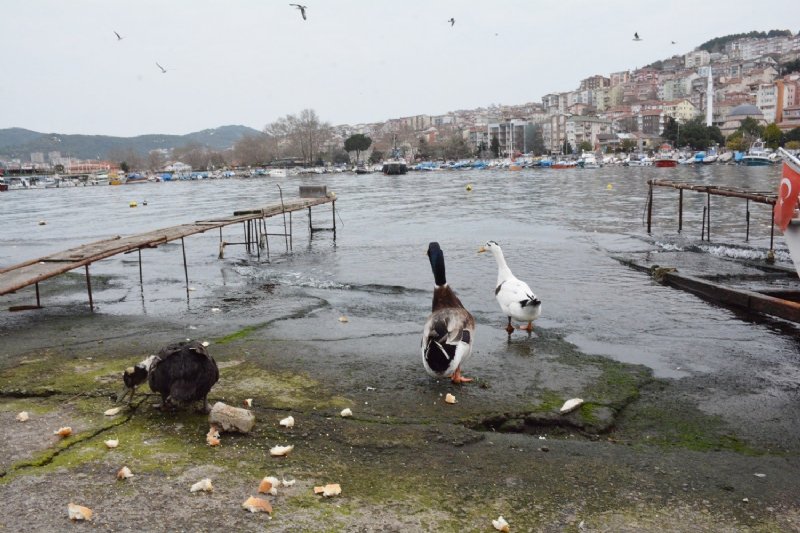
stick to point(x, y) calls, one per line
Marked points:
point(559, 230)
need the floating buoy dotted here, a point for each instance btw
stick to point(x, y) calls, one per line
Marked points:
point(469, 187)
point(144, 203)
point(609, 186)
point(132, 203)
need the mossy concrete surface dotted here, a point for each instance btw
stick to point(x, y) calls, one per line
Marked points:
point(636, 456)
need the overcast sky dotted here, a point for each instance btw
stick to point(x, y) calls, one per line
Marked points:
point(251, 62)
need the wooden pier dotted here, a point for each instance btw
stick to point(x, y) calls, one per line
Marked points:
point(255, 238)
point(768, 198)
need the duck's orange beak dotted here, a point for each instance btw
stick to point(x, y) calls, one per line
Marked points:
point(482, 249)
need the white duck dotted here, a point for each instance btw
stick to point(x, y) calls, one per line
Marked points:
point(450, 328)
point(515, 297)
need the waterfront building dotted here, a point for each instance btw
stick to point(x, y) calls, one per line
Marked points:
point(586, 128)
point(791, 118)
point(767, 101)
point(681, 110)
point(736, 115)
point(696, 59)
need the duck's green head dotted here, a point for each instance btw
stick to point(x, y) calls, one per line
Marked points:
point(436, 257)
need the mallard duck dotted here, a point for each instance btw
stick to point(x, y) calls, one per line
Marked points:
point(450, 329)
point(182, 372)
point(515, 297)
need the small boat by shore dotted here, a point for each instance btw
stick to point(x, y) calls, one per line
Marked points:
point(588, 160)
point(757, 155)
point(395, 165)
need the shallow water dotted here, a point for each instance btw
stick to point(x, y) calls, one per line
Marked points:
point(559, 230)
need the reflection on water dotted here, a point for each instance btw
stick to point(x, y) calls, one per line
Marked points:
point(558, 229)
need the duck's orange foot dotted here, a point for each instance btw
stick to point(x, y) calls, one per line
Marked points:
point(458, 378)
point(528, 328)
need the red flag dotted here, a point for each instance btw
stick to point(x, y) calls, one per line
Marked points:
point(788, 191)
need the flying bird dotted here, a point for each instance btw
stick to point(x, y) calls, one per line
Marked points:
point(636, 36)
point(452, 21)
point(163, 70)
point(673, 42)
point(301, 8)
point(119, 37)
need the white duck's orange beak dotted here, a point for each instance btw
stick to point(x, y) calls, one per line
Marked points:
point(482, 249)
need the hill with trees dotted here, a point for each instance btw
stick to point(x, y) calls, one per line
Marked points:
point(717, 44)
point(19, 142)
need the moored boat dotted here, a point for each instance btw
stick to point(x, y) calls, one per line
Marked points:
point(588, 160)
point(757, 155)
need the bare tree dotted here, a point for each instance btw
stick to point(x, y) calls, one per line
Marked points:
point(155, 160)
point(252, 150)
point(199, 157)
point(304, 133)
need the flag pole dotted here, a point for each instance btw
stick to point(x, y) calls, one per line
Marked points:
point(790, 157)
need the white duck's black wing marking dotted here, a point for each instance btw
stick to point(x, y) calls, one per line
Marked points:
point(532, 300)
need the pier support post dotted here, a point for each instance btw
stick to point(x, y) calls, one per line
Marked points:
point(708, 203)
point(649, 209)
point(680, 210)
point(185, 268)
point(310, 227)
point(703, 227)
point(772, 233)
point(141, 280)
point(257, 241)
point(333, 212)
point(747, 219)
point(89, 288)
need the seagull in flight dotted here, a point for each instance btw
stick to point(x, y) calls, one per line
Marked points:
point(119, 37)
point(163, 70)
point(673, 42)
point(301, 8)
point(636, 36)
point(452, 21)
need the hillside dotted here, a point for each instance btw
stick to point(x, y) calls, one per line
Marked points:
point(19, 143)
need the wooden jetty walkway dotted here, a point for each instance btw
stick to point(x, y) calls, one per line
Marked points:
point(767, 198)
point(256, 237)
point(760, 288)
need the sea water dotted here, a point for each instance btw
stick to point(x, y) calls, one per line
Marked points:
point(560, 231)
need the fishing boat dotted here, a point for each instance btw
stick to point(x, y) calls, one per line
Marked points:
point(665, 158)
point(395, 164)
point(757, 155)
point(588, 160)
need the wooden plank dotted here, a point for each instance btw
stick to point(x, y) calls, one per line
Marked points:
point(15, 277)
point(753, 301)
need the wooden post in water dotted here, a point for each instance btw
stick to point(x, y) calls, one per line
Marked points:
point(747, 218)
point(772, 231)
point(185, 268)
point(89, 288)
point(649, 208)
point(680, 210)
point(703, 227)
point(333, 212)
point(708, 203)
point(38, 303)
point(310, 227)
point(141, 281)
